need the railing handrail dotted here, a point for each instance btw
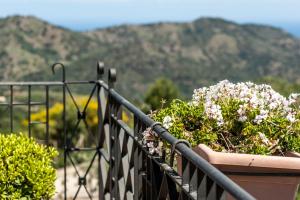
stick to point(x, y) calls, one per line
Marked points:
point(222, 180)
point(213, 173)
point(44, 83)
point(27, 83)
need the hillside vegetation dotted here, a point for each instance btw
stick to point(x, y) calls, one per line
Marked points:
point(192, 54)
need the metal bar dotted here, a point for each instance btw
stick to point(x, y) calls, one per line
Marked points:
point(30, 83)
point(149, 180)
point(38, 103)
point(169, 172)
point(223, 181)
point(90, 97)
point(148, 170)
point(111, 147)
point(11, 108)
point(91, 164)
point(115, 151)
point(89, 131)
point(118, 152)
point(72, 97)
point(124, 126)
point(77, 192)
point(104, 154)
point(139, 164)
point(37, 122)
point(90, 196)
point(73, 164)
point(73, 133)
point(103, 105)
point(23, 104)
point(173, 175)
point(82, 149)
point(47, 114)
point(81, 82)
point(65, 140)
point(103, 85)
point(100, 152)
point(29, 110)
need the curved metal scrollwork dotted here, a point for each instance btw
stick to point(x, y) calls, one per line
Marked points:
point(63, 70)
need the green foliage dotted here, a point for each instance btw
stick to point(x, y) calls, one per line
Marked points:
point(26, 170)
point(56, 122)
point(163, 91)
point(217, 121)
point(81, 138)
point(190, 123)
point(282, 86)
point(194, 54)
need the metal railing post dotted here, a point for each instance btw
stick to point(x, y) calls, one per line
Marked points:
point(127, 167)
point(64, 124)
point(100, 72)
point(112, 75)
point(11, 101)
point(47, 114)
point(29, 110)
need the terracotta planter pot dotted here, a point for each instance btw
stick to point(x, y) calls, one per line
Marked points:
point(248, 171)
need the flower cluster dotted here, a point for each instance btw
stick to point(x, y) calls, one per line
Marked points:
point(151, 141)
point(242, 117)
point(167, 122)
point(251, 96)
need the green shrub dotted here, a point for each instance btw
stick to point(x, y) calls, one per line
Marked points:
point(26, 170)
point(163, 90)
point(239, 118)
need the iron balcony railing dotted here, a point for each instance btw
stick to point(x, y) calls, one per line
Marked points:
point(126, 169)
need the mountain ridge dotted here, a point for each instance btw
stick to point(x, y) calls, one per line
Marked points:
point(192, 54)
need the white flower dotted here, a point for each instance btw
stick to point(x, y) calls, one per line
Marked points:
point(242, 113)
point(252, 96)
point(262, 115)
point(293, 98)
point(242, 118)
point(150, 144)
point(254, 101)
point(167, 122)
point(242, 110)
point(273, 105)
point(264, 138)
point(291, 117)
point(214, 111)
point(220, 122)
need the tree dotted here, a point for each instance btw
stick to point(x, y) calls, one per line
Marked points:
point(162, 91)
point(282, 86)
point(56, 131)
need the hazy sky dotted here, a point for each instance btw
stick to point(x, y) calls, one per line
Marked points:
point(88, 14)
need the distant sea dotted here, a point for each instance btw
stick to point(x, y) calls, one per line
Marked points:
point(293, 28)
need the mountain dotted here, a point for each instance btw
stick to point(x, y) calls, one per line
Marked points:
point(192, 54)
point(29, 46)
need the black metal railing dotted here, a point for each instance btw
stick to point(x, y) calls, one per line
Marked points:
point(137, 174)
point(126, 169)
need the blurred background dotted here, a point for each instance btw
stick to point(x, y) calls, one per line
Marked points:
point(162, 49)
point(192, 43)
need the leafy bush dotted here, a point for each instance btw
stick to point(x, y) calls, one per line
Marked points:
point(162, 90)
point(26, 170)
point(56, 123)
point(243, 117)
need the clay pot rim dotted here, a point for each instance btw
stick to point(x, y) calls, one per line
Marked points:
point(238, 162)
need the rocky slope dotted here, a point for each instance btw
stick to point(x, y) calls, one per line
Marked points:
point(191, 54)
